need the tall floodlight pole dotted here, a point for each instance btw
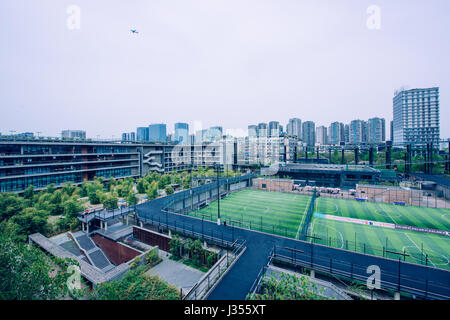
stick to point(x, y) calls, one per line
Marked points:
point(190, 188)
point(218, 196)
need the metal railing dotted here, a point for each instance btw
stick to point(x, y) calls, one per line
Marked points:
point(389, 280)
point(211, 279)
point(221, 239)
point(105, 214)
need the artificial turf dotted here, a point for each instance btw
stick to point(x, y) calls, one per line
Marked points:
point(284, 213)
point(272, 212)
point(422, 248)
point(402, 215)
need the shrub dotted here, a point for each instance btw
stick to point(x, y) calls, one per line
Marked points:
point(152, 258)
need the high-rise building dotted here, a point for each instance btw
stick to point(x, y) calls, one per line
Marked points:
point(294, 128)
point(274, 129)
point(214, 133)
point(182, 133)
point(128, 136)
point(262, 130)
point(309, 133)
point(377, 130)
point(252, 131)
point(365, 131)
point(342, 132)
point(73, 134)
point(157, 132)
point(200, 136)
point(356, 131)
point(416, 116)
point(347, 133)
point(392, 131)
point(321, 135)
point(142, 134)
point(336, 133)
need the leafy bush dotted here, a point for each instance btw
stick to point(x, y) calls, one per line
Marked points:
point(152, 258)
point(169, 190)
point(136, 285)
point(176, 245)
point(135, 263)
point(27, 273)
point(288, 287)
point(110, 202)
point(132, 199)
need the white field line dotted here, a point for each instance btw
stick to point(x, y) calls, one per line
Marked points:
point(389, 215)
point(418, 247)
point(311, 232)
point(336, 208)
point(301, 222)
point(446, 215)
point(340, 234)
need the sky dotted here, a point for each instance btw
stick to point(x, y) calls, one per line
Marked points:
point(230, 63)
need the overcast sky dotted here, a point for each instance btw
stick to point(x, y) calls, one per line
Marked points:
point(230, 63)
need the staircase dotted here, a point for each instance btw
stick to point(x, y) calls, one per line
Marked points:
point(94, 254)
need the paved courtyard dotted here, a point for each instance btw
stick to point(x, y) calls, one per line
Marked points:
point(176, 273)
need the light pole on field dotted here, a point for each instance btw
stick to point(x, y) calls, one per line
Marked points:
point(218, 196)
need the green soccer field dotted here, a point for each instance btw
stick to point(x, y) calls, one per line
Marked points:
point(410, 216)
point(420, 247)
point(371, 240)
point(272, 212)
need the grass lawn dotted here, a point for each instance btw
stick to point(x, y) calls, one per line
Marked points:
point(272, 212)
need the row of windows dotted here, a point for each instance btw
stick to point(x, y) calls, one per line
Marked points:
point(8, 149)
point(63, 159)
point(38, 182)
point(116, 173)
point(37, 170)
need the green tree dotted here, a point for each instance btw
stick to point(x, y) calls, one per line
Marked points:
point(176, 245)
point(84, 189)
point(72, 208)
point(169, 190)
point(132, 199)
point(141, 186)
point(50, 188)
point(26, 273)
point(31, 220)
point(211, 259)
point(95, 196)
point(10, 205)
point(69, 189)
point(110, 202)
point(152, 191)
point(196, 252)
point(29, 193)
point(186, 182)
point(176, 179)
point(164, 181)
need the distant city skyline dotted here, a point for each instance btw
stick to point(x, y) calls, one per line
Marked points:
point(228, 64)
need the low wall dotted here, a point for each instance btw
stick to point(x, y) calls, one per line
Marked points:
point(384, 194)
point(274, 185)
point(152, 238)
